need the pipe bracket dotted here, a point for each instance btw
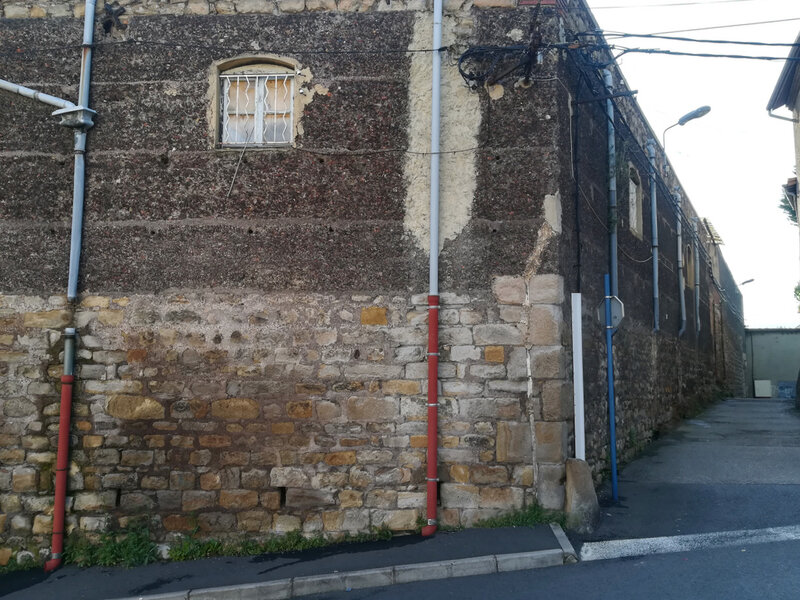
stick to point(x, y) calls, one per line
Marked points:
point(432, 478)
point(433, 521)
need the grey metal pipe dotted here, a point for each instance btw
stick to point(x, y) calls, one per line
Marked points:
point(679, 231)
point(78, 188)
point(35, 94)
point(613, 216)
point(651, 153)
point(696, 279)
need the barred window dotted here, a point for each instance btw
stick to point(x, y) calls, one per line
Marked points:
point(257, 106)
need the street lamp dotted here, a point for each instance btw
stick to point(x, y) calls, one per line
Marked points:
point(746, 282)
point(695, 114)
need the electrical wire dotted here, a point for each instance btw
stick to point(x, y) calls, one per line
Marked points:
point(697, 54)
point(608, 34)
point(727, 26)
point(669, 4)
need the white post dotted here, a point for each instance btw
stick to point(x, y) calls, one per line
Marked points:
point(577, 383)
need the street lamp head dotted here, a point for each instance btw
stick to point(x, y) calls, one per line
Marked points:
point(747, 281)
point(695, 114)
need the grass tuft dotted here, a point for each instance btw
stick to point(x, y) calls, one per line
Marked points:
point(526, 517)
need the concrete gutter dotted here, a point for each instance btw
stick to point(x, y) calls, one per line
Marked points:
point(295, 587)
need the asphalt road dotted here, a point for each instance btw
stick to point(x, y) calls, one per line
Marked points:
point(726, 485)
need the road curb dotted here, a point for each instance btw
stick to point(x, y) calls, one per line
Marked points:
point(295, 587)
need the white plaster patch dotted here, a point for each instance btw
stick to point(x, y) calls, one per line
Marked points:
point(552, 211)
point(515, 34)
point(460, 126)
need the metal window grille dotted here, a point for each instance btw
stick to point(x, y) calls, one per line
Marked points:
point(257, 110)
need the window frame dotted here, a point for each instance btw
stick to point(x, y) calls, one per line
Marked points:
point(635, 202)
point(258, 66)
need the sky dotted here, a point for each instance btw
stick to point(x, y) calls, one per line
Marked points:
point(733, 161)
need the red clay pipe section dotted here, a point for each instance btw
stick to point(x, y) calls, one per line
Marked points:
point(433, 414)
point(62, 464)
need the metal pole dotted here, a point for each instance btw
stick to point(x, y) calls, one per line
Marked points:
point(34, 94)
point(432, 477)
point(696, 280)
point(679, 231)
point(577, 376)
point(612, 428)
point(613, 217)
point(78, 189)
point(651, 152)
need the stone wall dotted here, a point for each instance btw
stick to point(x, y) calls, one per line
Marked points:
point(268, 413)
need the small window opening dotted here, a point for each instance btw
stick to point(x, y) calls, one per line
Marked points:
point(257, 106)
point(635, 220)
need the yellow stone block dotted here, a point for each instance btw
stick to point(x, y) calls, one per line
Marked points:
point(495, 354)
point(373, 315)
point(459, 473)
point(401, 387)
point(92, 441)
point(95, 302)
point(51, 319)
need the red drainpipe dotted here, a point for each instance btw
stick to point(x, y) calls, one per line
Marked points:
point(62, 458)
point(433, 414)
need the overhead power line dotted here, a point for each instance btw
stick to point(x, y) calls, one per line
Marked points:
point(615, 34)
point(699, 54)
point(669, 4)
point(726, 26)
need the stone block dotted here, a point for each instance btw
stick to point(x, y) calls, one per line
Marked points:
point(286, 523)
point(19, 407)
point(134, 408)
point(291, 6)
point(42, 525)
point(92, 441)
point(581, 506)
point(507, 498)
point(253, 520)
point(94, 501)
point(550, 489)
point(512, 314)
point(299, 410)
point(109, 357)
point(551, 441)
point(216, 522)
point(5, 553)
point(197, 500)
point(372, 409)
point(546, 289)
point(497, 335)
point(154, 482)
point(395, 520)
point(181, 480)
point(288, 477)
point(238, 499)
point(137, 458)
point(20, 525)
point(513, 443)
point(557, 401)
point(120, 481)
point(308, 499)
point(547, 362)
point(24, 480)
point(366, 371)
point(51, 319)
point(350, 499)
point(337, 459)
point(544, 325)
point(464, 353)
point(214, 441)
point(373, 315)
point(234, 408)
point(456, 495)
point(183, 523)
point(488, 474)
point(506, 289)
point(253, 6)
point(381, 498)
point(452, 336)
point(255, 479)
point(487, 371)
point(400, 387)
point(197, 7)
